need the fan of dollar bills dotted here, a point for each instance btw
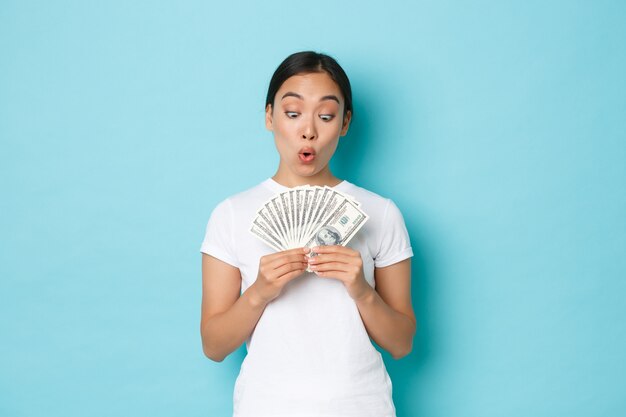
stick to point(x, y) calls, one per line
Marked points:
point(308, 216)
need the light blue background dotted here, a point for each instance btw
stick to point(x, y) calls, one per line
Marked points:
point(499, 128)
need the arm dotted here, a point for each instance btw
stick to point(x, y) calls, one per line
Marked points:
point(387, 311)
point(228, 318)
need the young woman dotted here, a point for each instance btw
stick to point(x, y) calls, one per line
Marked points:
point(308, 333)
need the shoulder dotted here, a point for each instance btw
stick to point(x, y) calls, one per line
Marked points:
point(228, 222)
point(383, 213)
point(246, 200)
point(374, 205)
point(390, 240)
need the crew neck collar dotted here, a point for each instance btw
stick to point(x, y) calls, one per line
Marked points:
point(279, 188)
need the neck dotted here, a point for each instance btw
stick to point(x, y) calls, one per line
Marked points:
point(290, 179)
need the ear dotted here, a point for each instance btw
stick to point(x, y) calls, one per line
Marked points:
point(346, 123)
point(268, 117)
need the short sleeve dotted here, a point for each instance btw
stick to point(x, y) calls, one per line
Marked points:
point(395, 245)
point(218, 239)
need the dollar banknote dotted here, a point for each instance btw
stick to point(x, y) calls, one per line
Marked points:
point(308, 216)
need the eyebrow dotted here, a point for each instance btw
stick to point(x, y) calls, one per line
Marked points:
point(296, 95)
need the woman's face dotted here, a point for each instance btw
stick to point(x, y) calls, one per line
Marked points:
point(307, 123)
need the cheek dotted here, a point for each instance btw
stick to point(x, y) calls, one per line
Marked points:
point(284, 131)
point(282, 141)
point(331, 147)
point(282, 146)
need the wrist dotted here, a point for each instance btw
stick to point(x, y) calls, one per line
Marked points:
point(366, 296)
point(254, 298)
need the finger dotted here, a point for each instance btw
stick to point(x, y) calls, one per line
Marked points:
point(294, 251)
point(289, 276)
point(340, 275)
point(331, 257)
point(334, 249)
point(332, 266)
point(278, 262)
point(288, 268)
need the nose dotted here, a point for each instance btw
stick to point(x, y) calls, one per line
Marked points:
point(309, 132)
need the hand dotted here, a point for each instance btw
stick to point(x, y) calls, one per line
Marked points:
point(276, 270)
point(344, 264)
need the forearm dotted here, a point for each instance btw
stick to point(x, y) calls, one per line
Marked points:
point(390, 329)
point(223, 333)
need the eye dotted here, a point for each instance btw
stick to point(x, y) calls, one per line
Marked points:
point(326, 117)
point(291, 114)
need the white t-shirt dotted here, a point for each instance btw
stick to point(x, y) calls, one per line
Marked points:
point(309, 354)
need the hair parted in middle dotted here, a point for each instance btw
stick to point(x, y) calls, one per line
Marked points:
point(307, 62)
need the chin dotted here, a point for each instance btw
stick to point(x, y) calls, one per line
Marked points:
point(306, 171)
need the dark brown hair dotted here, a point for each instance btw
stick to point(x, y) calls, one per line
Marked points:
point(307, 62)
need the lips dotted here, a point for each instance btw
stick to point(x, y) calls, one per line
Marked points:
point(307, 155)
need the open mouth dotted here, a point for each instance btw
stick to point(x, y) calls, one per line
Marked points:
point(306, 155)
